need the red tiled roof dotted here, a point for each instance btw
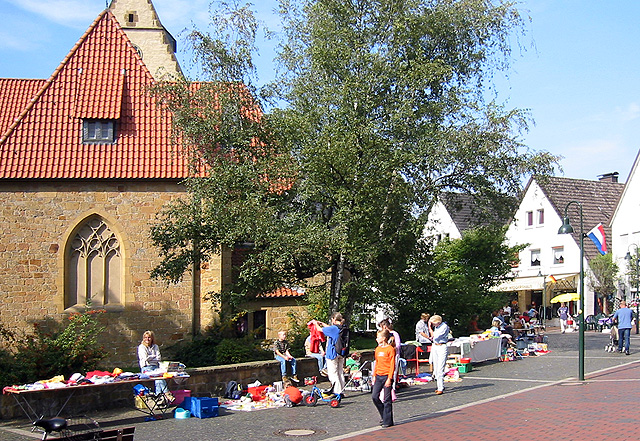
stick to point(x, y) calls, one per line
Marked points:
point(283, 292)
point(102, 77)
point(15, 95)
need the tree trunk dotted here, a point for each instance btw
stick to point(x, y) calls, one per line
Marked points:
point(337, 275)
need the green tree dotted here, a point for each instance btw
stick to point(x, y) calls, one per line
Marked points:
point(382, 111)
point(456, 278)
point(602, 278)
point(385, 111)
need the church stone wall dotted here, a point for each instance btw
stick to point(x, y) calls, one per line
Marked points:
point(36, 219)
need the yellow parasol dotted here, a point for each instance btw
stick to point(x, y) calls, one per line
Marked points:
point(566, 297)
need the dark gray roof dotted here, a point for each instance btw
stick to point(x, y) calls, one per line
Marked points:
point(466, 212)
point(598, 198)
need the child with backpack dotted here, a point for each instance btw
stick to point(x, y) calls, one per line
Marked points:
point(337, 349)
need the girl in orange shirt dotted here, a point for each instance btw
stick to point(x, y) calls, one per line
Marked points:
point(383, 374)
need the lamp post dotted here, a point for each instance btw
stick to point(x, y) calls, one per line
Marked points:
point(566, 228)
point(636, 299)
point(544, 298)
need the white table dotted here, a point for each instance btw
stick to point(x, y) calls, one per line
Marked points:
point(479, 351)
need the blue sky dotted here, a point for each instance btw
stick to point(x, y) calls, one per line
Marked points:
point(577, 71)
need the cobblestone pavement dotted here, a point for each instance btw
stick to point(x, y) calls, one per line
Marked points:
point(534, 397)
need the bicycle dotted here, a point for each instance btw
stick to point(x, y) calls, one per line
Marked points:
point(78, 428)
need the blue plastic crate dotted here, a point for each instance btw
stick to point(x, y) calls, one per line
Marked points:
point(201, 407)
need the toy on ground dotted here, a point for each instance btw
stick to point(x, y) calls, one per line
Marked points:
point(318, 395)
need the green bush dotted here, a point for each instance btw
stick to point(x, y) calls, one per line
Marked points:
point(199, 352)
point(71, 346)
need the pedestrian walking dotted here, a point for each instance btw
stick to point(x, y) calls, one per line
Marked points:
point(383, 373)
point(439, 331)
point(563, 313)
point(624, 317)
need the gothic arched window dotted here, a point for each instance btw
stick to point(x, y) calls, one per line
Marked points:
point(93, 266)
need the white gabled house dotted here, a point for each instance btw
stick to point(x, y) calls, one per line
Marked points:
point(550, 263)
point(625, 231)
point(455, 213)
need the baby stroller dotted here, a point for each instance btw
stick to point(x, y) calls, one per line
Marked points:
point(613, 342)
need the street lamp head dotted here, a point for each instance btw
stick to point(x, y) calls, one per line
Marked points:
point(566, 227)
point(628, 256)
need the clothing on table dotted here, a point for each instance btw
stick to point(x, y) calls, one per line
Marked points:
point(384, 370)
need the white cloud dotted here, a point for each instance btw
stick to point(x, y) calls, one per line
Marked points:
point(629, 113)
point(71, 13)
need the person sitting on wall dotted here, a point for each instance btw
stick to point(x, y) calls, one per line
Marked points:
point(281, 352)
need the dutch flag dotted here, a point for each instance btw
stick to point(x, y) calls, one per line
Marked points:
point(597, 236)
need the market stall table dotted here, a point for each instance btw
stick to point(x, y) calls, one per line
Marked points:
point(58, 398)
point(532, 330)
point(479, 350)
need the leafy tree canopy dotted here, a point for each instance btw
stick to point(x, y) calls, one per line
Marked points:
point(456, 278)
point(382, 109)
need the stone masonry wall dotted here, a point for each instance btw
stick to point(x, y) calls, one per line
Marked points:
point(37, 217)
point(203, 382)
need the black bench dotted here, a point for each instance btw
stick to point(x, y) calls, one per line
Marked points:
point(125, 434)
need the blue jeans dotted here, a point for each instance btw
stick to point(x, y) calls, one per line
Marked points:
point(161, 385)
point(283, 365)
point(623, 336)
point(385, 408)
point(320, 358)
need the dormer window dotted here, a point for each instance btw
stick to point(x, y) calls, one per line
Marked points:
point(98, 131)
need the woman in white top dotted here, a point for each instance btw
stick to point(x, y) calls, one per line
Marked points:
point(149, 358)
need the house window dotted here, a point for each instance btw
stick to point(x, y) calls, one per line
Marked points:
point(529, 218)
point(260, 324)
point(93, 266)
point(558, 255)
point(98, 131)
point(541, 216)
point(535, 257)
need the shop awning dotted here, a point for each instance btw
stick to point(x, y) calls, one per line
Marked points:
point(532, 283)
point(520, 284)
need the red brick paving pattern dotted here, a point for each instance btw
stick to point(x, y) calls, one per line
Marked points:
point(604, 407)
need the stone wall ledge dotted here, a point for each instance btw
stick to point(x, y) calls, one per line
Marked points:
point(203, 382)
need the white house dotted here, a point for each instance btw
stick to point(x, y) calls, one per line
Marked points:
point(455, 213)
point(550, 262)
point(625, 229)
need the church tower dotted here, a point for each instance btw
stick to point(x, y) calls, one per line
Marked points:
point(154, 43)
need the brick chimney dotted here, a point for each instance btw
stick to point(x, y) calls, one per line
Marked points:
point(609, 177)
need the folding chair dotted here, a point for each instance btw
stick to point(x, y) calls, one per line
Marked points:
point(149, 403)
point(417, 360)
